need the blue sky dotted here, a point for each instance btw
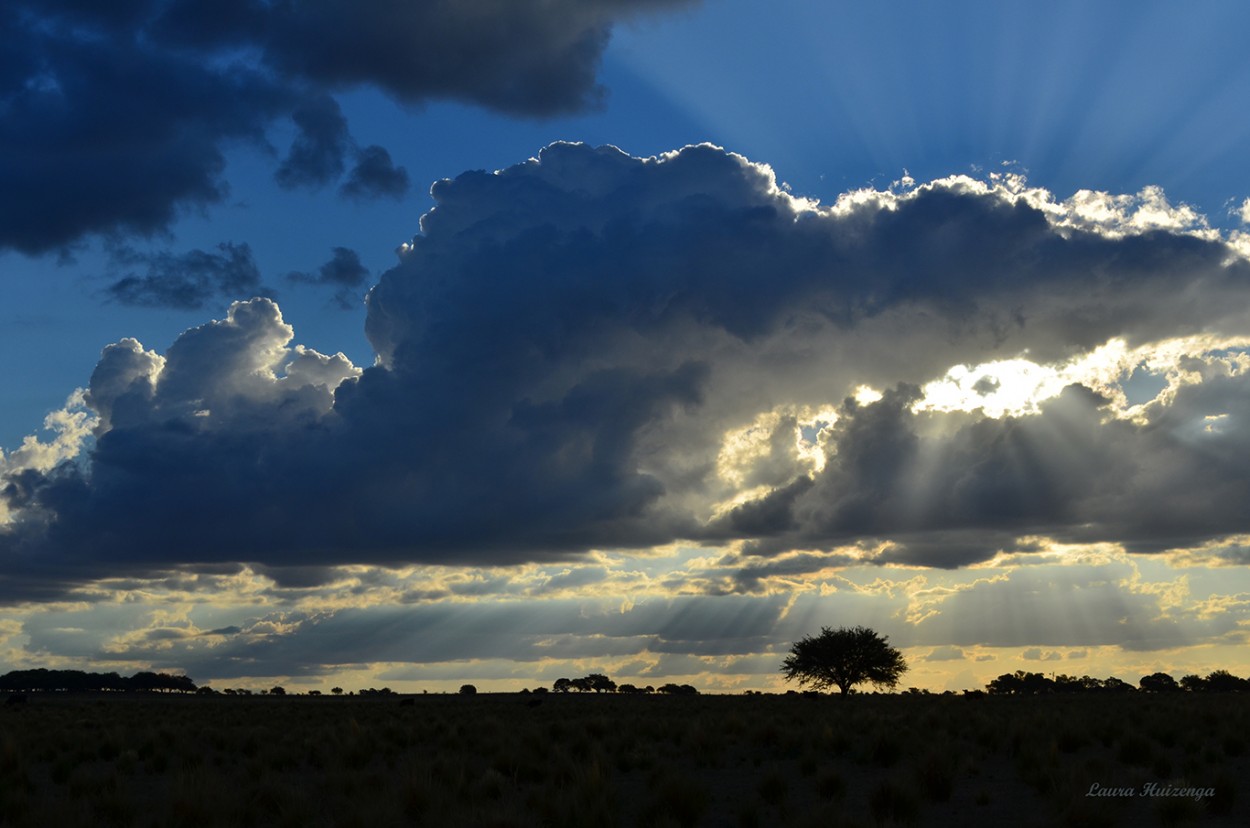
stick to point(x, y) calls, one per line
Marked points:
point(947, 315)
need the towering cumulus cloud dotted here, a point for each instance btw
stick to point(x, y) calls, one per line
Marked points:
point(590, 350)
point(114, 115)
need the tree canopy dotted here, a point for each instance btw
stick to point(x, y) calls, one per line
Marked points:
point(843, 658)
point(597, 682)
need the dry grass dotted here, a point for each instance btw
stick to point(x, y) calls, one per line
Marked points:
point(494, 760)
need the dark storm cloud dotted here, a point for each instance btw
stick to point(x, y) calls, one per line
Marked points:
point(533, 57)
point(566, 344)
point(185, 281)
point(115, 116)
point(102, 132)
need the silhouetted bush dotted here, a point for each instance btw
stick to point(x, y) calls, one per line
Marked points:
point(468, 690)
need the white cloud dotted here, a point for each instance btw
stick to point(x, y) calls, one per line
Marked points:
point(1243, 212)
point(71, 428)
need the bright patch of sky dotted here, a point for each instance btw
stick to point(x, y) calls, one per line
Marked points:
point(1131, 377)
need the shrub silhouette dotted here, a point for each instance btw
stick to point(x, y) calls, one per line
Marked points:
point(468, 690)
point(843, 658)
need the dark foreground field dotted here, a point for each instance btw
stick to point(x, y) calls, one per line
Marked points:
point(504, 760)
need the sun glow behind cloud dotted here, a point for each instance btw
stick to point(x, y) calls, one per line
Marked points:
point(755, 459)
point(1016, 387)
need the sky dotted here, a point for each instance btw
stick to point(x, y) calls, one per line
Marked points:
point(411, 344)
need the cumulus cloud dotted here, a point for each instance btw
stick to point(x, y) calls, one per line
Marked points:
point(589, 350)
point(70, 429)
point(233, 382)
point(116, 119)
point(1243, 212)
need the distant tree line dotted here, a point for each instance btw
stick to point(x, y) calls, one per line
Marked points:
point(43, 680)
point(1021, 683)
point(599, 683)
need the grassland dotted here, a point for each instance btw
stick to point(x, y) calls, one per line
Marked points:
point(607, 760)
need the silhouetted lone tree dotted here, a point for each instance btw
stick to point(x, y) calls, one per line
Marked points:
point(843, 658)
